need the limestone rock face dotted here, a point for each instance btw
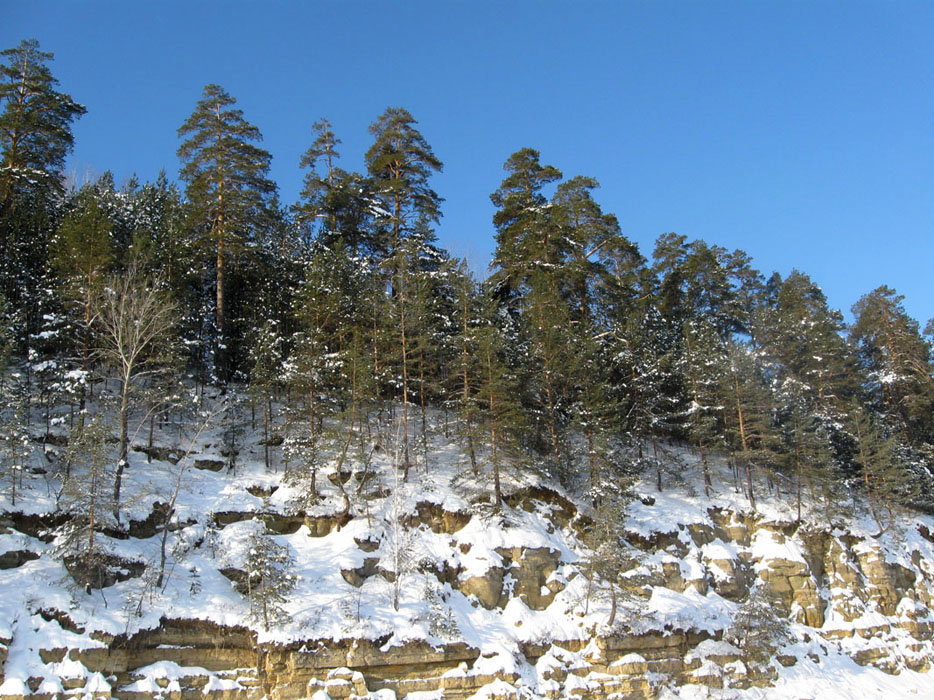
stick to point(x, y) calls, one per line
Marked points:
point(438, 520)
point(531, 570)
point(487, 588)
point(849, 591)
point(527, 571)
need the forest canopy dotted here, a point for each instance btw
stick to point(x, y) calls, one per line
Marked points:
point(579, 356)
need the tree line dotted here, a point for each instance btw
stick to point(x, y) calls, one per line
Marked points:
point(578, 356)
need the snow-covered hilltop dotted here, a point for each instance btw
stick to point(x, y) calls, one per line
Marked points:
point(384, 588)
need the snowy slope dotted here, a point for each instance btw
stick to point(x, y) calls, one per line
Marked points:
point(429, 560)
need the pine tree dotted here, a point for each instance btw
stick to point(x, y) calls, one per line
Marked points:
point(35, 138)
point(35, 124)
point(898, 362)
point(883, 475)
point(588, 232)
point(227, 185)
point(695, 283)
point(524, 231)
point(400, 161)
point(317, 206)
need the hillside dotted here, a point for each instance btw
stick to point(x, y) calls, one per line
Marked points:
point(420, 589)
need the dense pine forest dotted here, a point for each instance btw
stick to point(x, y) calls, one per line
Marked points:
point(578, 357)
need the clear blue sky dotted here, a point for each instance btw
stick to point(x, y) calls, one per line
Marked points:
point(801, 132)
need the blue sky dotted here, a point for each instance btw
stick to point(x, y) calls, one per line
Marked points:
point(801, 132)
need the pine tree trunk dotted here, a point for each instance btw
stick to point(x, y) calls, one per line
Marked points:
point(747, 464)
point(405, 391)
point(497, 494)
point(466, 390)
point(266, 432)
point(220, 353)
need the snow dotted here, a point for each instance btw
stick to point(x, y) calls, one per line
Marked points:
point(325, 606)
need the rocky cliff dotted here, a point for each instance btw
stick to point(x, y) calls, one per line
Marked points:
point(423, 590)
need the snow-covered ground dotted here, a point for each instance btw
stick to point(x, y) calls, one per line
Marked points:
point(401, 597)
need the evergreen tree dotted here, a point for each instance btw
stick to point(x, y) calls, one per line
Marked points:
point(646, 362)
point(14, 428)
point(400, 161)
point(86, 492)
point(884, 477)
point(317, 192)
point(803, 337)
point(270, 573)
point(502, 419)
point(465, 377)
point(898, 363)
point(695, 283)
point(704, 367)
point(524, 231)
point(748, 415)
point(759, 629)
point(35, 138)
point(227, 185)
point(587, 230)
point(35, 121)
point(265, 371)
point(83, 253)
point(605, 538)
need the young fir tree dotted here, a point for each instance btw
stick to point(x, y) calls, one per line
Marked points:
point(86, 493)
point(805, 453)
point(83, 254)
point(15, 440)
point(703, 366)
point(227, 186)
point(646, 368)
point(501, 417)
point(883, 475)
point(759, 629)
point(609, 555)
point(270, 573)
point(265, 372)
point(465, 377)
